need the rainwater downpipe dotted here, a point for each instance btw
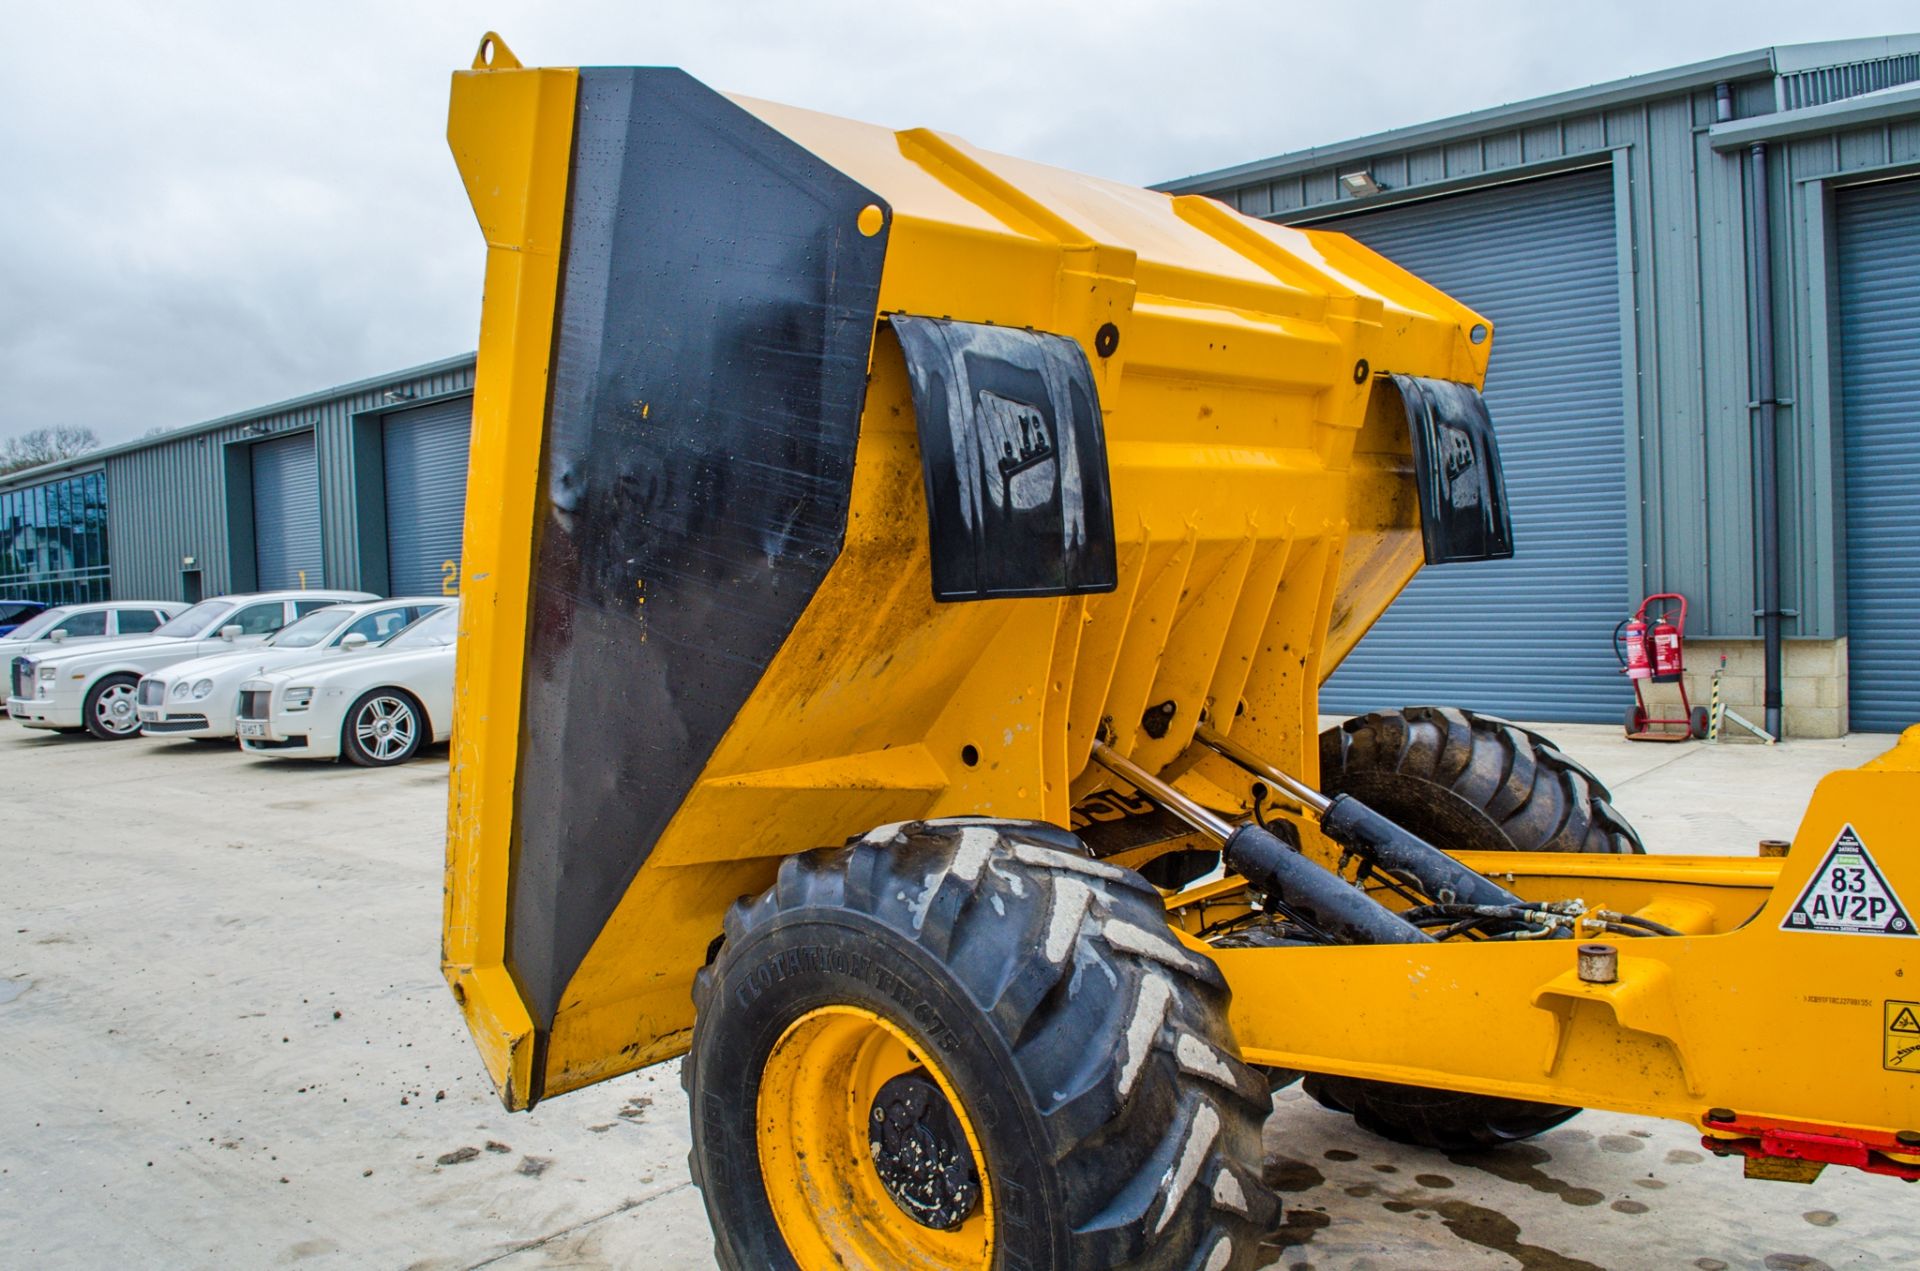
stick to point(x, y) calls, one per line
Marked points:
point(1765, 407)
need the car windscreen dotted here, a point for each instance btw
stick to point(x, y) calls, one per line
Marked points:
point(35, 628)
point(196, 620)
point(306, 632)
point(441, 626)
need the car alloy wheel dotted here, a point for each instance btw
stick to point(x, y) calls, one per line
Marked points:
point(110, 713)
point(385, 729)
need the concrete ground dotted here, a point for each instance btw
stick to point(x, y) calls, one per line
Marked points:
point(228, 1044)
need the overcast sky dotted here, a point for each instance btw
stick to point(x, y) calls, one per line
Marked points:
point(209, 207)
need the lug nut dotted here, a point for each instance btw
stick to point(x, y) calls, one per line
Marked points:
point(1599, 963)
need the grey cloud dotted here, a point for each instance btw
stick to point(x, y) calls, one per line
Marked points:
point(211, 206)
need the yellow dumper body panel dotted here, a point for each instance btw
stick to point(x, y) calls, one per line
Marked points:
point(1260, 496)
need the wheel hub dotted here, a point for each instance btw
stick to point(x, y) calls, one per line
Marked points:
point(921, 1152)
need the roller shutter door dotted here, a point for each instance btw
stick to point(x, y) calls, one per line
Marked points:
point(1527, 638)
point(286, 514)
point(426, 472)
point(1879, 270)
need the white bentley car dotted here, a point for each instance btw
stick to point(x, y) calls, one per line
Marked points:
point(375, 709)
point(72, 625)
point(197, 699)
point(93, 687)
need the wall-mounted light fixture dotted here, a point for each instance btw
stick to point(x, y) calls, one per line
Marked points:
point(398, 394)
point(1360, 185)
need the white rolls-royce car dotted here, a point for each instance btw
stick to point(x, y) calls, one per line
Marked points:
point(375, 709)
point(197, 699)
point(70, 625)
point(93, 687)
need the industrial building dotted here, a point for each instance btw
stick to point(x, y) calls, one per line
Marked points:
point(1706, 380)
point(361, 486)
point(1648, 251)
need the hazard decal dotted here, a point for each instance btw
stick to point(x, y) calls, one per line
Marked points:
point(1903, 1037)
point(1848, 895)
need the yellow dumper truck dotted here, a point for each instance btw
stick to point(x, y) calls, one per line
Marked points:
point(898, 581)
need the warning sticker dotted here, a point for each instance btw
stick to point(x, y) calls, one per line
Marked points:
point(1849, 896)
point(1903, 1037)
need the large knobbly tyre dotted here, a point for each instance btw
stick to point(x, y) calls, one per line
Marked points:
point(1467, 782)
point(938, 995)
point(1463, 782)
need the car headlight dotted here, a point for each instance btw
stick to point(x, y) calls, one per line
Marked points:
point(298, 699)
point(179, 691)
point(201, 688)
point(48, 672)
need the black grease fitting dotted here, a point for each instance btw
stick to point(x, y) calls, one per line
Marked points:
point(1158, 719)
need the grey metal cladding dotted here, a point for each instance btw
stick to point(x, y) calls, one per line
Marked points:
point(286, 513)
point(1538, 259)
point(425, 453)
point(168, 494)
point(1878, 240)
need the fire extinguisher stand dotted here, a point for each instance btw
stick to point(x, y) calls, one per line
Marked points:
point(1650, 647)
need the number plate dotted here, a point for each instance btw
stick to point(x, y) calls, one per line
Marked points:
point(149, 714)
point(253, 728)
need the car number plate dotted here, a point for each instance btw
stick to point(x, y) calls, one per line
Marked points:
point(253, 728)
point(149, 714)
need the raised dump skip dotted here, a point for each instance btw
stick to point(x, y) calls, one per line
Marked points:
point(730, 351)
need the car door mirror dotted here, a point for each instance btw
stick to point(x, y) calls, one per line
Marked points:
point(231, 632)
point(353, 641)
point(58, 636)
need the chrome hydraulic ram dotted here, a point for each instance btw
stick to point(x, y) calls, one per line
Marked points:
point(1370, 836)
point(1317, 896)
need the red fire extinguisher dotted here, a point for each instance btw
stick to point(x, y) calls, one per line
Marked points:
point(1651, 652)
point(1666, 648)
point(1635, 660)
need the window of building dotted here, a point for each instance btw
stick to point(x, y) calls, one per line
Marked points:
point(53, 540)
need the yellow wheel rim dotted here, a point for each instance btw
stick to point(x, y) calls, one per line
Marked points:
point(817, 1095)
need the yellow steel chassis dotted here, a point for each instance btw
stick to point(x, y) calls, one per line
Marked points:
point(1783, 1032)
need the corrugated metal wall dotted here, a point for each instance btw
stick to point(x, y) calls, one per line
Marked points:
point(167, 500)
point(425, 451)
point(286, 514)
point(1878, 240)
point(1685, 289)
point(1538, 258)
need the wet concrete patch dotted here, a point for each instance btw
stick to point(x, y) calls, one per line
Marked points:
point(1284, 1174)
point(1821, 1217)
point(1340, 1154)
point(1621, 1143)
point(1794, 1262)
point(1628, 1207)
point(1493, 1230)
point(1300, 1227)
point(1520, 1163)
point(1438, 1182)
point(1681, 1156)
